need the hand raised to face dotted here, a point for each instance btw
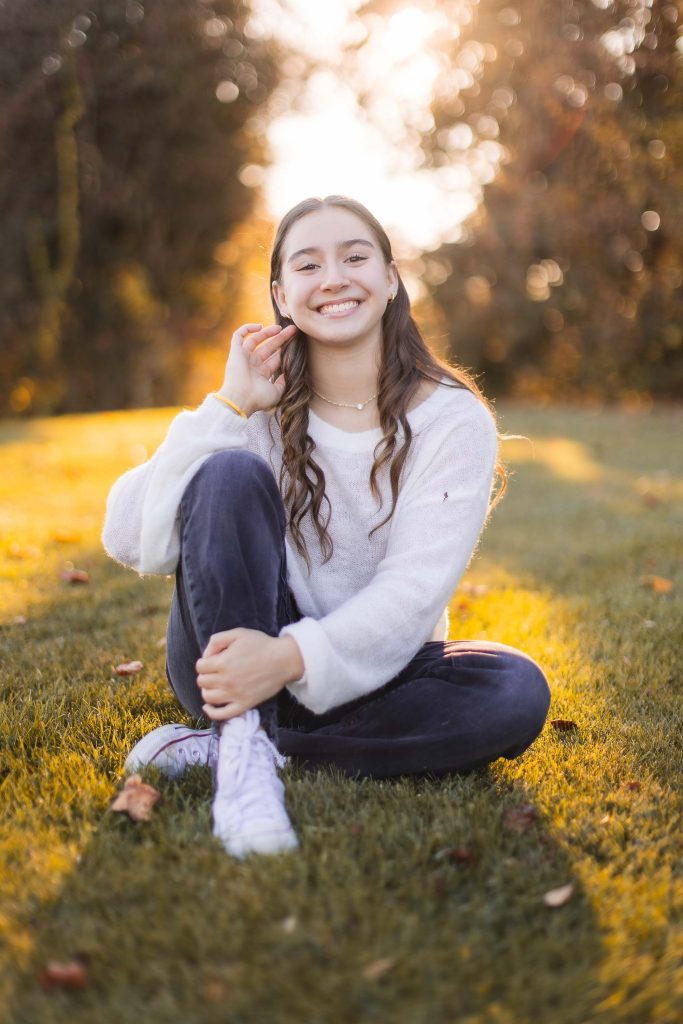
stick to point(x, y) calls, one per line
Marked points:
point(252, 379)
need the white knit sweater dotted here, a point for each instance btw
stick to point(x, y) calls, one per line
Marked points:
point(367, 611)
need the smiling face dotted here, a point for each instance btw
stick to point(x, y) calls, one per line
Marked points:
point(334, 282)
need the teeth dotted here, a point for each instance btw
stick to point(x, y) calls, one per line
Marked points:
point(338, 307)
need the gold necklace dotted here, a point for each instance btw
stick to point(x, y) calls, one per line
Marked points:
point(346, 405)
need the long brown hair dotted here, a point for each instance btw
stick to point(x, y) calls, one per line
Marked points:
point(405, 362)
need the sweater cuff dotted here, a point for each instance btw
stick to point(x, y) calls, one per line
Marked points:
point(311, 690)
point(224, 421)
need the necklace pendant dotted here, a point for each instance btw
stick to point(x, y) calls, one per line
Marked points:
point(360, 406)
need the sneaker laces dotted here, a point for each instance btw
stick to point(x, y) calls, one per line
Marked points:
point(245, 754)
point(244, 742)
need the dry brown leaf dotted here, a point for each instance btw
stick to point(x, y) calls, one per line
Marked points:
point(129, 668)
point(520, 818)
point(457, 855)
point(558, 897)
point(214, 992)
point(69, 975)
point(377, 968)
point(289, 924)
point(658, 584)
point(65, 536)
point(563, 724)
point(634, 785)
point(605, 818)
point(145, 610)
point(71, 575)
point(136, 799)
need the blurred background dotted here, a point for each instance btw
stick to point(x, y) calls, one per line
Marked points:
point(526, 159)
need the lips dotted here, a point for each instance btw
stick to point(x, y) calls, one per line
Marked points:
point(332, 308)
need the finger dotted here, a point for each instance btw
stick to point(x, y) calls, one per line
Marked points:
point(210, 683)
point(216, 698)
point(219, 642)
point(272, 364)
point(222, 714)
point(205, 666)
point(269, 345)
point(241, 332)
point(249, 344)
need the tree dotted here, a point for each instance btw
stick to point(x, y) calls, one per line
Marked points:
point(126, 164)
point(567, 279)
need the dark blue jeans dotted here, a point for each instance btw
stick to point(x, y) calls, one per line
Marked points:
point(456, 706)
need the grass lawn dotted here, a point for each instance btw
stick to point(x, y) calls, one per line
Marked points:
point(369, 920)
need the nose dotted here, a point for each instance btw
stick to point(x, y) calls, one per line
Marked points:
point(334, 277)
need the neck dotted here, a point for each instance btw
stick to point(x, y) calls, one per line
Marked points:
point(344, 375)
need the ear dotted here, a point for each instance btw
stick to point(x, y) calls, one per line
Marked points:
point(392, 277)
point(279, 296)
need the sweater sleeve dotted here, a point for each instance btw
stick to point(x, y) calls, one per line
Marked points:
point(439, 516)
point(141, 528)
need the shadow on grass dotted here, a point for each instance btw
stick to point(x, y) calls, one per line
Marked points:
point(169, 926)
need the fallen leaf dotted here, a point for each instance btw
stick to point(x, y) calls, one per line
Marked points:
point(148, 609)
point(605, 818)
point(71, 575)
point(520, 818)
point(456, 854)
point(634, 785)
point(563, 724)
point(659, 584)
point(558, 897)
point(214, 992)
point(377, 968)
point(136, 799)
point(66, 536)
point(289, 924)
point(69, 975)
point(129, 668)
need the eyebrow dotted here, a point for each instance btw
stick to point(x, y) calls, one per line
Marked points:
point(340, 245)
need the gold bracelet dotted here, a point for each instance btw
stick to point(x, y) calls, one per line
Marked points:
point(232, 405)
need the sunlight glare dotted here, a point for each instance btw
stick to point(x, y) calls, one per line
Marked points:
point(330, 144)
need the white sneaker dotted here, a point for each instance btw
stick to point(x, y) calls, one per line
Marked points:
point(173, 749)
point(249, 814)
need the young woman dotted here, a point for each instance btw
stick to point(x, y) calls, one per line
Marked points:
point(318, 511)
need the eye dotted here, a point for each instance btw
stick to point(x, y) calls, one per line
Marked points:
point(307, 266)
point(357, 256)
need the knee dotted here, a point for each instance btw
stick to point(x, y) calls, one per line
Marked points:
point(529, 692)
point(232, 475)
